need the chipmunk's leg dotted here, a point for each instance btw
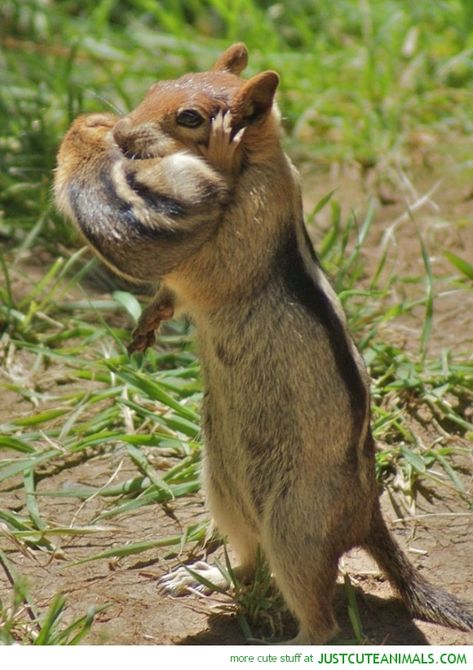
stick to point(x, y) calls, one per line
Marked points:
point(240, 537)
point(305, 570)
point(159, 310)
point(223, 151)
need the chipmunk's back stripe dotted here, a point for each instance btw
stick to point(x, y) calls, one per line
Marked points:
point(305, 289)
point(310, 246)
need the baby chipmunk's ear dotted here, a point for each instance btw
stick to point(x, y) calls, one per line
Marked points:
point(234, 59)
point(254, 100)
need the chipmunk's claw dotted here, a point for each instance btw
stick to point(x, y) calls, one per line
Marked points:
point(222, 129)
point(141, 341)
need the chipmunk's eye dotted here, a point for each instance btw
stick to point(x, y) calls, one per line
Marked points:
point(190, 118)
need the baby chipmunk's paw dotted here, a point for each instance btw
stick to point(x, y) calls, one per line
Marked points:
point(223, 149)
point(199, 577)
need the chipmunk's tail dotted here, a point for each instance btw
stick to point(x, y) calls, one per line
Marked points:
point(423, 600)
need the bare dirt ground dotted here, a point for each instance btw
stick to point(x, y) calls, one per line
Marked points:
point(439, 541)
point(438, 538)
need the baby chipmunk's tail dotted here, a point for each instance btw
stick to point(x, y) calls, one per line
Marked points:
point(422, 599)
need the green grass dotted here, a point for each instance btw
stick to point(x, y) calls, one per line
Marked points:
point(360, 81)
point(20, 620)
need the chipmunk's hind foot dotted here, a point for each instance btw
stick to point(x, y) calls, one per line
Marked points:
point(199, 576)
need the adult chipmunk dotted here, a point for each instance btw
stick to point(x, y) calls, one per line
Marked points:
point(192, 189)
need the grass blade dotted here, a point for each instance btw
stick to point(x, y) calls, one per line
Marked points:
point(460, 264)
point(195, 534)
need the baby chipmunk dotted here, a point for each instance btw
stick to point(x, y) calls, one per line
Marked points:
point(193, 190)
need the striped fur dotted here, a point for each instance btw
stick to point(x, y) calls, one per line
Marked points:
point(141, 216)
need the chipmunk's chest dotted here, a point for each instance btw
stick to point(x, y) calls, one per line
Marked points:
point(250, 430)
point(266, 372)
point(247, 388)
point(275, 390)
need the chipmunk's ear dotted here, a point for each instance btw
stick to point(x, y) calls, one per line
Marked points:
point(234, 59)
point(255, 98)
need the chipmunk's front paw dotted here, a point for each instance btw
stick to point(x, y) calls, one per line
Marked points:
point(142, 340)
point(144, 335)
point(186, 580)
point(223, 150)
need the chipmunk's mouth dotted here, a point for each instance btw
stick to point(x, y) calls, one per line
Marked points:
point(141, 148)
point(145, 148)
point(134, 155)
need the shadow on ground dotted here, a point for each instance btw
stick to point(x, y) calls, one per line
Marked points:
point(385, 621)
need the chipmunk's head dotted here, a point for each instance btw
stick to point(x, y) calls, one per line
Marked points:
point(177, 114)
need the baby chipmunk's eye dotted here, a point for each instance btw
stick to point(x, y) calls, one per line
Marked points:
point(190, 118)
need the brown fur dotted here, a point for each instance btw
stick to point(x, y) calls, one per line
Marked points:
point(216, 216)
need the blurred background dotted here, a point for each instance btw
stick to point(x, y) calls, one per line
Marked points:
point(363, 81)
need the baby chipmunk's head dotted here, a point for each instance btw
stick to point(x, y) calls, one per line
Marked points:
point(178, 114)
